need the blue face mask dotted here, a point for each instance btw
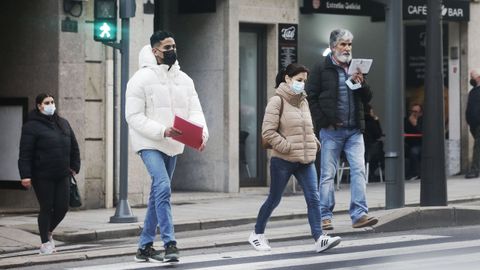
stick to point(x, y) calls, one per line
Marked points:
point(297, 87)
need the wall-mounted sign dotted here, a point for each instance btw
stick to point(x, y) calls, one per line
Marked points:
point(350, 7)
point(452, 10)
point(287, 44)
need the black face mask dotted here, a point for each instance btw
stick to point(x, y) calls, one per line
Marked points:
point(473, 82)
point(169, 58)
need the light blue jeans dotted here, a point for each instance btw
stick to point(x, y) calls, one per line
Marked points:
point(159, 212)
point(351, 142)
point(280, 171)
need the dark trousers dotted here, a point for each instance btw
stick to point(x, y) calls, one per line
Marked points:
point(413, 164)
point(475, 166)
point(53, 197)
point(375, 156)
point(280, 171)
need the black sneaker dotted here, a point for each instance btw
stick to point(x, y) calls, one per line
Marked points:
point(171, 253)
point(148, 254)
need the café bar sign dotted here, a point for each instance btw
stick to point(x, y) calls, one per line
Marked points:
point(452, 10)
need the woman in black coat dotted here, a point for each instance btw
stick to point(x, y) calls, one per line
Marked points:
point(49, 155)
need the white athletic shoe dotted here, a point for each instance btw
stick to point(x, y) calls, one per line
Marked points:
point(47, 248)
point(259, 242)
point(326, 242)
point(50, 239)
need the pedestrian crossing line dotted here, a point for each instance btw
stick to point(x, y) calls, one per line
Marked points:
point(455, 262)
point(350, 256)
point(223, 256)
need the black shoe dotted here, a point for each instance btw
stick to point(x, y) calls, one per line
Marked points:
point(471, 174)
point(148, 254)
point(171, 253)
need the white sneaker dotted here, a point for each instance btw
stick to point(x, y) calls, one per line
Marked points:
point(47, 248)
point(259, 242)
point(50, 239)
point(326, 242)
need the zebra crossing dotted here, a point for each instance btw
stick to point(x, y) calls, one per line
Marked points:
point(399, 252)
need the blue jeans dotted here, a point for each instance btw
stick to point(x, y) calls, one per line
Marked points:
point(351, 142)
point(280, 171)
point(159, 212)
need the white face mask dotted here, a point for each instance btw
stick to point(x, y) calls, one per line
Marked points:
point(297, 87)
point(49, 109)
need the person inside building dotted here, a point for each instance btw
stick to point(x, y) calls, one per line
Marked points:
point(287, 127)
point(473, 120)
point(413, 141)
point(48, 156)
point(338, 111)
point(157, 92)
point(374, 155)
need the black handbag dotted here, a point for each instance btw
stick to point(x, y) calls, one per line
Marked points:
point(75, 199)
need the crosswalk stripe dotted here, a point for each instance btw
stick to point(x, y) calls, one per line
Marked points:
point(421, 264)
point(316, 258)
point(345, 256)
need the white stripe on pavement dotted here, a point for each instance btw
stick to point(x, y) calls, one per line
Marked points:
point(275, 251)
point(345, 256)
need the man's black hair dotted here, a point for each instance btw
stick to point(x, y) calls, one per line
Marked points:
point(159, 36)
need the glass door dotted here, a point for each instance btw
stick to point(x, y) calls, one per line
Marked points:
point(252, 102)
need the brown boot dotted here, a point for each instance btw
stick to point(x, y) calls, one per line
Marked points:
point(365, 221)
point(327, 225)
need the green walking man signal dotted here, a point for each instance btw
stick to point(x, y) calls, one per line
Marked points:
point(105, 24)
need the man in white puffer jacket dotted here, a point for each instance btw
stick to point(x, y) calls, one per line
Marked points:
point(157, 92)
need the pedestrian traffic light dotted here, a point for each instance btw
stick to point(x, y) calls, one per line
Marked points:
point(105, 24)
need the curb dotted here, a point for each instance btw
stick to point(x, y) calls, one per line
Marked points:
point(135, 230)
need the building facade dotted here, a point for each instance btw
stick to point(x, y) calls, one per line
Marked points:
point(232, 49)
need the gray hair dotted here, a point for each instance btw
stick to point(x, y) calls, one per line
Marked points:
point(339, 34)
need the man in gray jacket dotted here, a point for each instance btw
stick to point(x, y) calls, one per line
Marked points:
point(338, 114)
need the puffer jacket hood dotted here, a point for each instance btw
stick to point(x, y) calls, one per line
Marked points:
point(291, 136)
point(146, 57)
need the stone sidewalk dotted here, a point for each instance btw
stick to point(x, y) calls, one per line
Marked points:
point(202, 211)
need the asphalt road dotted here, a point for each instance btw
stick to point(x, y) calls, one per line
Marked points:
point(442, 248)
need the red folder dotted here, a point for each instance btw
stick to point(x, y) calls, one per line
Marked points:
point(191, 132)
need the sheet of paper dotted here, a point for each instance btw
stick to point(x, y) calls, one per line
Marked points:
point(351, 85)
point(362, 64)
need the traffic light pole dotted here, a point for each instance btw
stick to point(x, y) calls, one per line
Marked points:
point(123, 212)
point(433, 188)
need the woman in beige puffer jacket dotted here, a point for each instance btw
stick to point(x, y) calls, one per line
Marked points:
point(287, 127)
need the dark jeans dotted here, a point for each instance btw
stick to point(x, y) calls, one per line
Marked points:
point(280, 171)
point(53, 197)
